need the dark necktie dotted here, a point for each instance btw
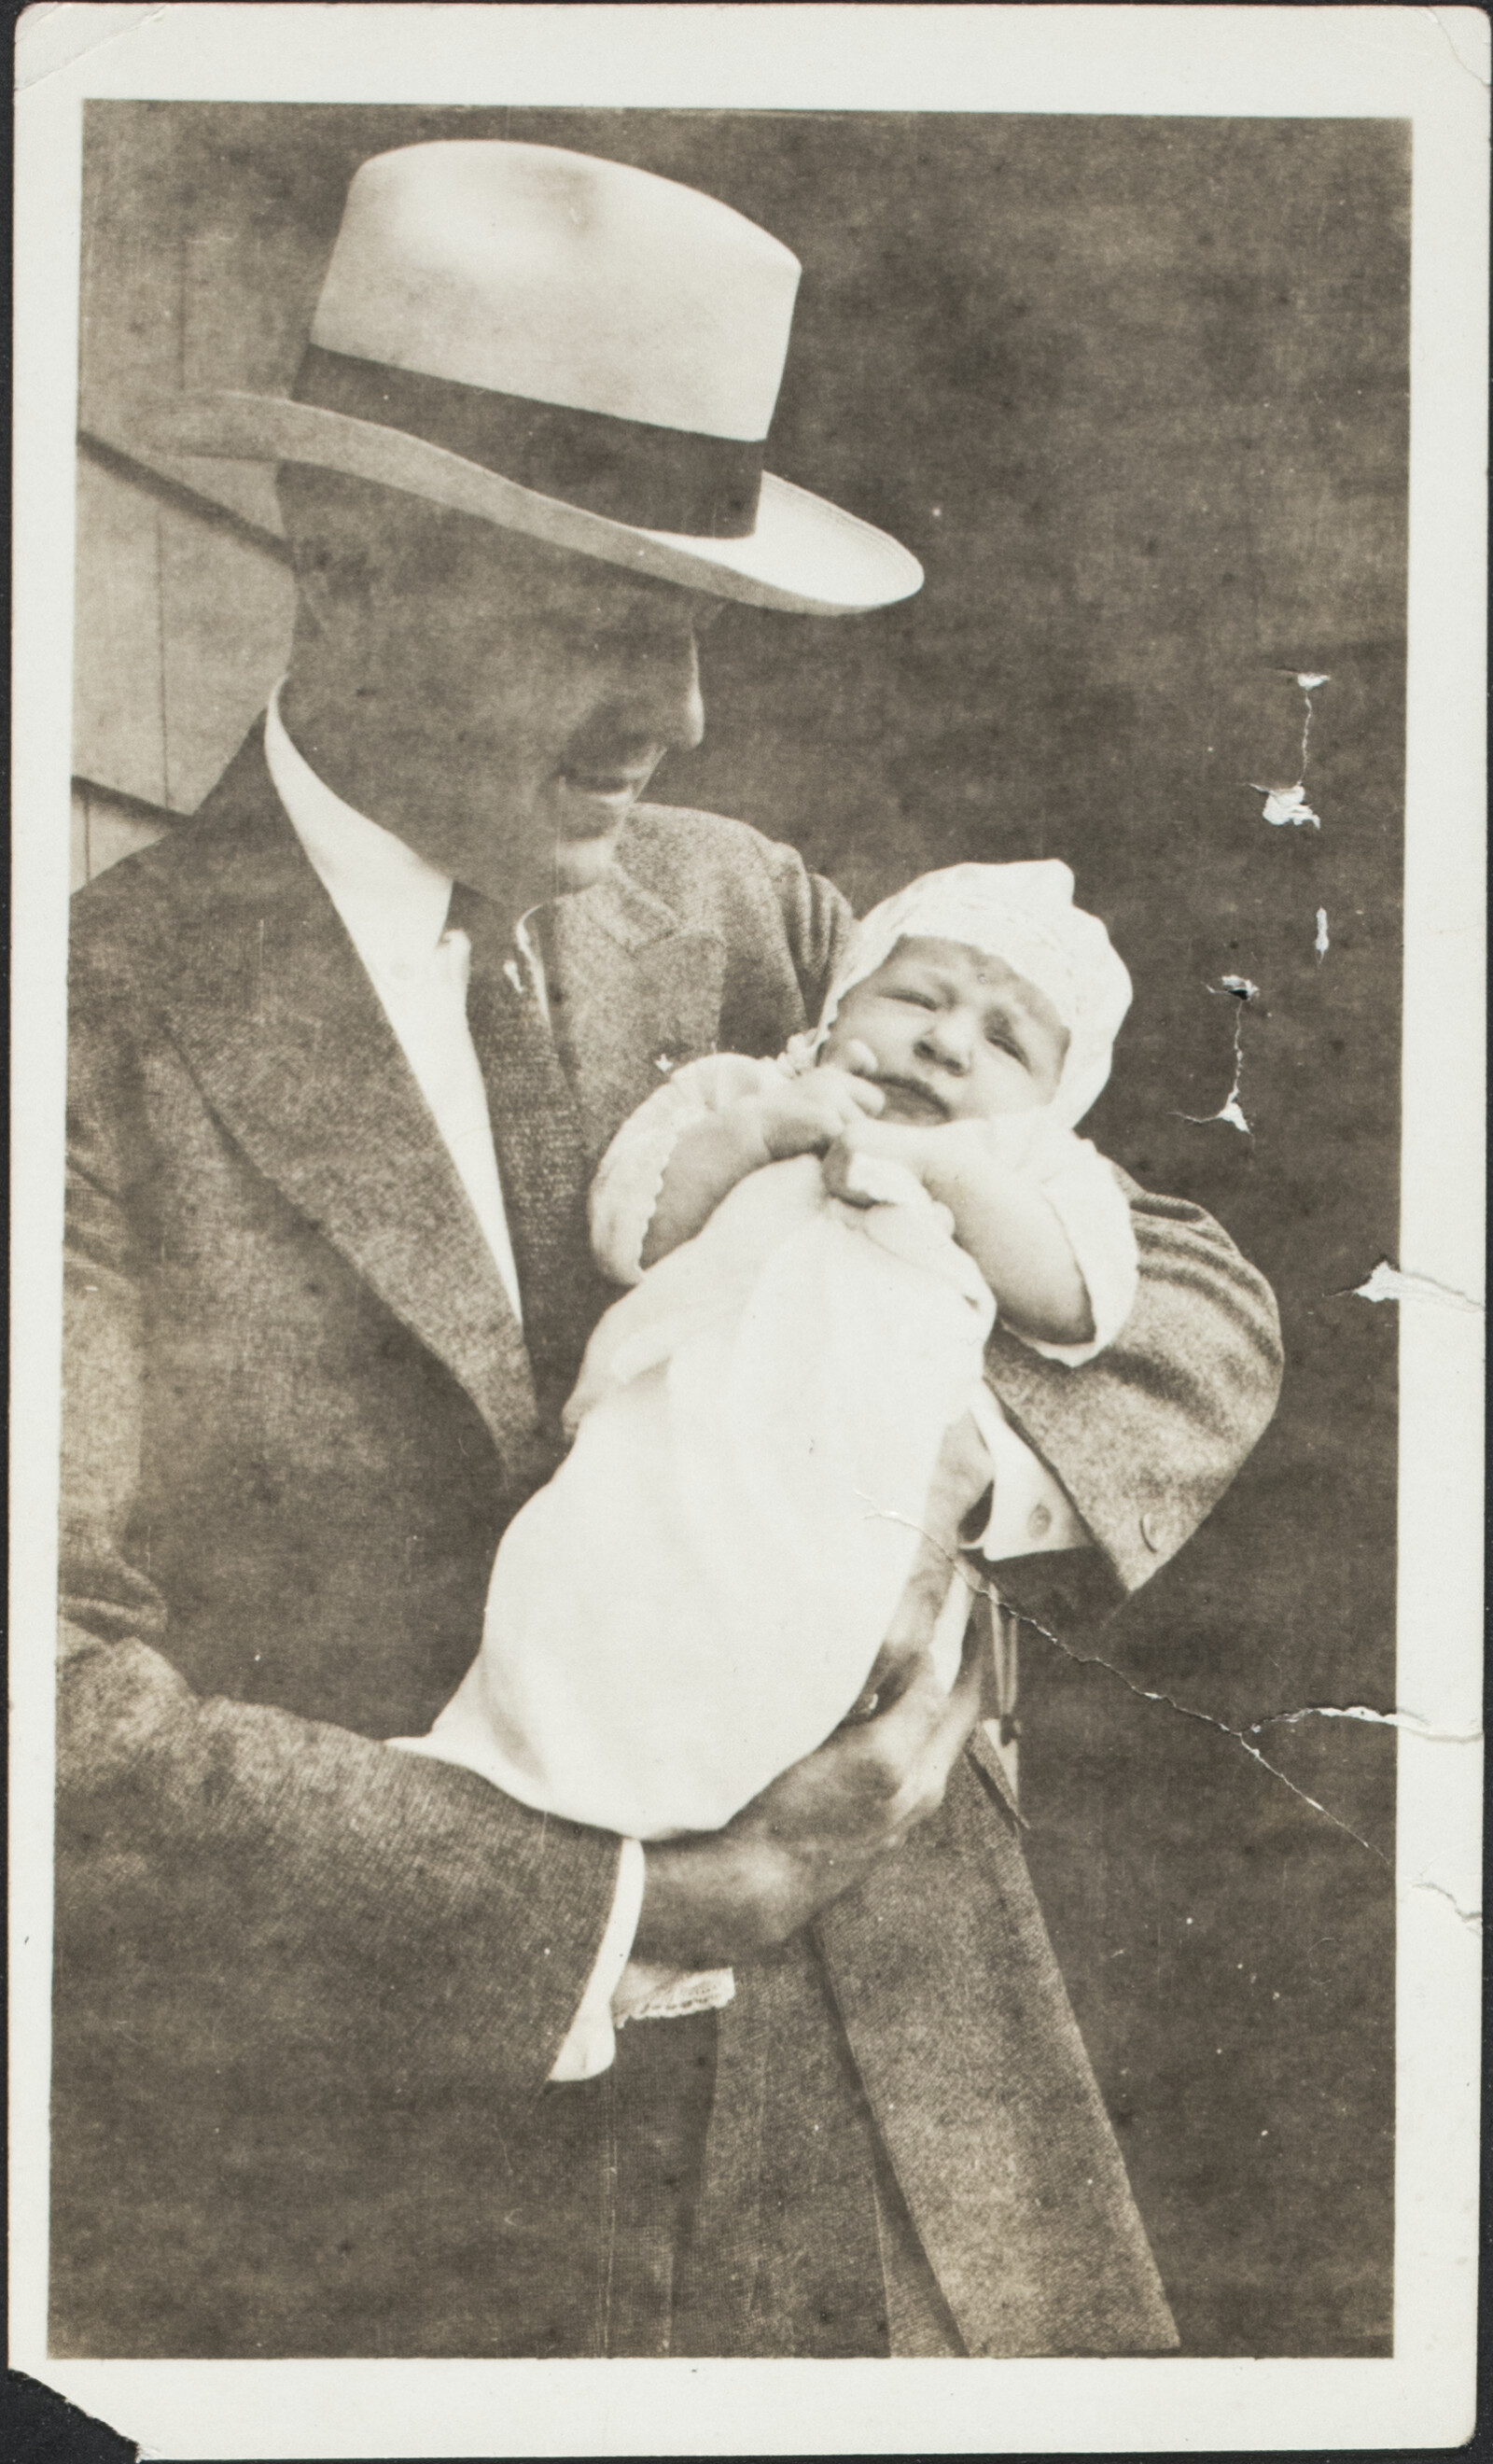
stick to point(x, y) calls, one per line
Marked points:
point(542, 1161)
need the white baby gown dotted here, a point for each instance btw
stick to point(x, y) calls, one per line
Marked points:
point(695, 1599)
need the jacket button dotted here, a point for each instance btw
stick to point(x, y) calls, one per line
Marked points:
point(1039, 1522)
point(1150, 1531)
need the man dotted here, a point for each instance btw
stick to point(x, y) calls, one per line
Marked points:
point(345, 1055)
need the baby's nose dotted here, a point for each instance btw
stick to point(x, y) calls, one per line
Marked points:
point(948, 1042)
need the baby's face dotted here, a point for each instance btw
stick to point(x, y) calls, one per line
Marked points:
point(956, 1036)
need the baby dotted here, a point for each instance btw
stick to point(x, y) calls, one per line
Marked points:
point(760, 1490)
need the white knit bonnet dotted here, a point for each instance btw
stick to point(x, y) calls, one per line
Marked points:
point(1023, 913)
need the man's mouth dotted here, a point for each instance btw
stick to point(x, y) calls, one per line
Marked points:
point(602, 794)
point(911, 1099)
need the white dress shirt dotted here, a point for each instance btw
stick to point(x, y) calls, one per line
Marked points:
point(394, 906)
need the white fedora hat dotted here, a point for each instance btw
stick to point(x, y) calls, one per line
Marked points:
point(571, 348)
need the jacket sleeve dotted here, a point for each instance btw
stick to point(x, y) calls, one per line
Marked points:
point(1146, 1437)
point(630, 1175)
point(384, 1900)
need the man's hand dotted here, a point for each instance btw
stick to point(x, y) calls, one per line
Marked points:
point(819, 1829)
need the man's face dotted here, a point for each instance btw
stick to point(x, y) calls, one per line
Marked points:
point(956, 1035)
point(512, 700)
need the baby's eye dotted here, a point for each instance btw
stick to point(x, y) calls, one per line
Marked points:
point(920, 1001)
point(1005, 1041)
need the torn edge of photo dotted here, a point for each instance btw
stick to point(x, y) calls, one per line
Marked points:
point(747, 1330)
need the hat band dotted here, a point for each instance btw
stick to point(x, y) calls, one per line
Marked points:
point(652, 478)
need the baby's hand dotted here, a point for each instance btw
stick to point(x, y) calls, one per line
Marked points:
point(806, 1115)
point(900, 1142)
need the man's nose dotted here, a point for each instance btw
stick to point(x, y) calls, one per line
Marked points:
point(664, 699)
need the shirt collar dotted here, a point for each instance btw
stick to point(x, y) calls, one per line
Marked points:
point(393, 903)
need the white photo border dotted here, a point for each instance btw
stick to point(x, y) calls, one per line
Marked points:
point(1429, 65)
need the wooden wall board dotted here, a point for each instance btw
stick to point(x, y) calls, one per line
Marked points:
point(105, 830)
point(181, 628)
point(119, 718)
point(227, 613)
point(185, 284)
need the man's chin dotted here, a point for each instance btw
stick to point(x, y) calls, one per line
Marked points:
point(579, 863)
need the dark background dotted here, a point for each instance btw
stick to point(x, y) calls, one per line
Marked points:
point(1135, 390)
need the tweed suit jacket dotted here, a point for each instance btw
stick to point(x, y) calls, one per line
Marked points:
point(308, 1993)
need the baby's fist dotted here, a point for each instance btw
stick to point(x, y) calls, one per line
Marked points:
point(856, 1164)
point(809, 1114)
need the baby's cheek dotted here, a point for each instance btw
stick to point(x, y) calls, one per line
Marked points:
point(1003, 1086)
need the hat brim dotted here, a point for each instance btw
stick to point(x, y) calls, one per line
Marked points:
point(806, 557)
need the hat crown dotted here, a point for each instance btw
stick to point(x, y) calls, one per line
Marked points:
point(562, 278)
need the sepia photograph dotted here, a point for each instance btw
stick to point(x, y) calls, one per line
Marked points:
point(731, 1499)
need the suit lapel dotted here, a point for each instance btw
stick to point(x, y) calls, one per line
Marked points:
point(633, 995)
point(286, 1036)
